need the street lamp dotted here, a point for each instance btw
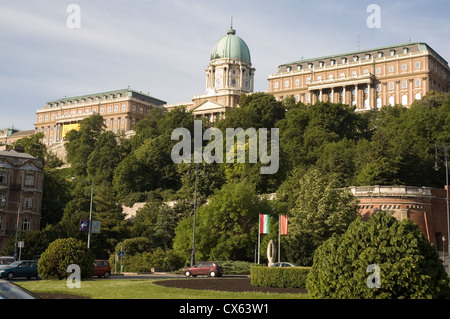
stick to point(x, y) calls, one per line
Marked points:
point(444, 149)
point(90, 209)
point(195, 208)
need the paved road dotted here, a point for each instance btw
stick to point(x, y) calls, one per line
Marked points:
point(163, 276)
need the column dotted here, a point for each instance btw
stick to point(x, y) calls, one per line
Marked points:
point(356, 95)
point(368, 96)
point(332, 95)
point(343, 95)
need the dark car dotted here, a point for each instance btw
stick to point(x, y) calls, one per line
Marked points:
point(102, 268)
point(9, 290)
point(24, 268)
point(208, 268)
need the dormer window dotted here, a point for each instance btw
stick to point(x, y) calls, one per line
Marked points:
point(405, 50)
point(392, 52)
point(367, 56)
point(332, 62)
point(288, 69)
point(380, 54)
point(344, 60)
point(355, 58)
point(299, 67)
point(310, 65)
point(321, 64)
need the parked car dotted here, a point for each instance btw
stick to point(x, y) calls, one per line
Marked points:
point(208, 268)
point(8, 290)
point(283, 264)
point(6, 260)
point(24, 268)
point(102, 268)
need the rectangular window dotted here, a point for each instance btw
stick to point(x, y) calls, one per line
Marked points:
point(391, 86)
point(417, 65)
point(286, 84)
point(2, 200)
point(28, 202)
point(404, 68)
point(3, 177)
point(418, 84)
point(29, 180)
point(404, 85)
point(26, 224)
point(378, 70)
point(391, 68)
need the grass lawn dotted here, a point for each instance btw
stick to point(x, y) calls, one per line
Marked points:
point(142, 289)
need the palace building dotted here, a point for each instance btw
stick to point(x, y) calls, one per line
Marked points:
point(367, 79)
point(228, 75)
point(121, 110)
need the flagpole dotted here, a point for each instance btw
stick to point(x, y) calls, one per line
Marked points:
point(279, 237)
point(259, 234)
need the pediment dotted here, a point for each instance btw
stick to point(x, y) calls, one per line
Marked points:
point(209, 106)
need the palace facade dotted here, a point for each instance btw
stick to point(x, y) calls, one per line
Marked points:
point(367, 79)
point(121, 110)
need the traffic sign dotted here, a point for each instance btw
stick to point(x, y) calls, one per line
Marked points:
point(84, 224)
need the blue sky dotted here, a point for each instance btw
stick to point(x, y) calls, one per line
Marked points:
point(162, 47)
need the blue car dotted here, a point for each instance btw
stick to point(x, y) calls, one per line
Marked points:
point(24, 268)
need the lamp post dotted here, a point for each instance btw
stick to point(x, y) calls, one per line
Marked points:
point(90, 209)
point(195, 208)
point(444, 149)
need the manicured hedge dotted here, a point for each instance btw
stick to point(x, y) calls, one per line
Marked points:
point(280, 277)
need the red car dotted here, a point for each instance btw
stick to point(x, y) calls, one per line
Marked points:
point(208, 268)
point(102, 268)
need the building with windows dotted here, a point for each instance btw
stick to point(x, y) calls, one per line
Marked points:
point(10, 135)
point(228, 75)
point(425, 206)
point(121, 110)
point(367, 79)
point(21, 186)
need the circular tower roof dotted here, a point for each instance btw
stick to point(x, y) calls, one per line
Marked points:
point(231, 46)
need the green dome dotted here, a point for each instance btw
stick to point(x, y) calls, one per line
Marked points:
point(231, 46)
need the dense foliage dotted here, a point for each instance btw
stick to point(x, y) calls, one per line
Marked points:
point(60, 254)
point(323, 147)
point(409, 265)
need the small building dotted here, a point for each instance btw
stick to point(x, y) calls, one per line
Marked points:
point(21, 187)
point(425, 206)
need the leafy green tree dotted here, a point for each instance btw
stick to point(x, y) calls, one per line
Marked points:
point(60, 254)
point(80, 143)
point(227, 225)
point(321, 209)
point(409, 264)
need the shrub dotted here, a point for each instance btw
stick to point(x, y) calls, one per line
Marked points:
point(60, 254)
point(409, 264)
point(144, 262)
point(281, 277)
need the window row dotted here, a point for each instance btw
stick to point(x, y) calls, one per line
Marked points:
point(26, 224)
point(27, 201)
point(29, 179)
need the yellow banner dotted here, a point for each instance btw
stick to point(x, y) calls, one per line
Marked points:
point(69, 127)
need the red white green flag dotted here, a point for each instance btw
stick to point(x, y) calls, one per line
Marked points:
point(264, 220)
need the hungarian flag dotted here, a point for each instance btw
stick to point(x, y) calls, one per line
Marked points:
point(264, 220)
point(283, 224)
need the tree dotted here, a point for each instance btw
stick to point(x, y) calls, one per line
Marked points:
point(227, 225)
point(321, 209)
point(60, 254)
point(80, 144)
point(409, 264)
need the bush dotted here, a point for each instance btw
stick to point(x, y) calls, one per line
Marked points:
point(144, 262)
point(409, 264)
point(280, 277)
point(60, 254)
